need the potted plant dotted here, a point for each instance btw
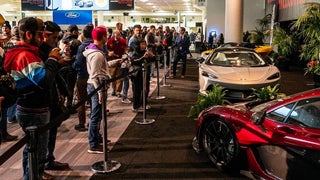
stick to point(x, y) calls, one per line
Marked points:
point(308, 27)
point(213, 97)
point(285, 44)
point(268, 93)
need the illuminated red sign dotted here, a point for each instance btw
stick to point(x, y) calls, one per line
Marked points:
point(283, 4)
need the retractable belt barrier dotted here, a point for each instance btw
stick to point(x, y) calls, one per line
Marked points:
point(58, 120)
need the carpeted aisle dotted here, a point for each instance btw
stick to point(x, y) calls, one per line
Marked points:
point(162, 150)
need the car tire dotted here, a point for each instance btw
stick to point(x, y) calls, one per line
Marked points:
point(221, 144)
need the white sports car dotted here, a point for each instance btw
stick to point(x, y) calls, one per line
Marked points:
point(239, 70)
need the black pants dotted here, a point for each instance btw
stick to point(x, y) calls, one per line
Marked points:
point(137, 88)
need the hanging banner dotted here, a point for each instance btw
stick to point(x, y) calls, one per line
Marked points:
point(72, 17)
point(105, 5)
point(34, 5)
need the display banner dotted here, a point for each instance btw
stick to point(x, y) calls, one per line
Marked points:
point(33, 5)
point(67, 17)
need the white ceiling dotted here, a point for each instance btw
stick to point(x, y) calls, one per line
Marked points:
point(140, 5)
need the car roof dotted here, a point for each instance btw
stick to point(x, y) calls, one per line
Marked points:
point(233, 48)
point(241, 44)
point(298, 96)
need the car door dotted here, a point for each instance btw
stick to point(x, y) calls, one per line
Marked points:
point(294, 148)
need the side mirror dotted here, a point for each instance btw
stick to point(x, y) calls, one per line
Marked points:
point(258, 117)
point(200, 60)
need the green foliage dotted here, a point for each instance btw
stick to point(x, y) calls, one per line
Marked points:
point(308, 26)
point(268, 93)
point(213, 97)
point(258, 35)
point(287, 44)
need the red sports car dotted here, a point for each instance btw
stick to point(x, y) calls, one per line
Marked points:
point(279, 139)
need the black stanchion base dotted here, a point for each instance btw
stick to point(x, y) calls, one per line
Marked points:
point(158, 97)
point(105, 166)
point(145, 121)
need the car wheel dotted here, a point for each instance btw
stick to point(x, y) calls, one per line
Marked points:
point(221, 144)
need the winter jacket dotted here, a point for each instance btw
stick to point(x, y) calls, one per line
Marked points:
point(33, 77)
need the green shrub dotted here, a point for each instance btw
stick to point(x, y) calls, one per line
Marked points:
point(268, 93)
point(213, 97)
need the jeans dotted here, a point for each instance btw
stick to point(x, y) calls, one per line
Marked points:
point(125, 81)
point(27, 119)
point(95, 118)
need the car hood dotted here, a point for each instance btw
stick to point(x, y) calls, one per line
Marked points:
point(241, 73)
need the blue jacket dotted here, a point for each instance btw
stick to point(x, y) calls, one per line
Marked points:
point(80, 64)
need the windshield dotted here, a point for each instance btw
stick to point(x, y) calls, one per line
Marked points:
point(236, 59)
point(262, 107)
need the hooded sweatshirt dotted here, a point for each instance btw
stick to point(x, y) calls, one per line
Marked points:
point(97, 64)
point(33, 77)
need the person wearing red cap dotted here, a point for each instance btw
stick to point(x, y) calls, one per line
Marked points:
point(98, 68)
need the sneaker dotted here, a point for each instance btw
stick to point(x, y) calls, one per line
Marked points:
point(126, 101)
point(80, 127)
point(98, 149)
point(46, 176)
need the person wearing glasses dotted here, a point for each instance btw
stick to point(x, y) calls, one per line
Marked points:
point(33, 79)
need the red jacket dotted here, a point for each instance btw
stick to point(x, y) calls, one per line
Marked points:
point(117, 46)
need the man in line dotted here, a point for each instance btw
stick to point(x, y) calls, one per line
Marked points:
point(33, 82)
point(116, 44)
point(68, 73)
point(182, 44)
point(80, 66)
point(58, 92)
point(98, 69)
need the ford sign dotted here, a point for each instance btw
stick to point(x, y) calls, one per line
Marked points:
point(71, 14)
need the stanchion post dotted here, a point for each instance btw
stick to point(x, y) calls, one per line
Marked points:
point(158, 81)
point(106, 165)
point(32, 152)
point(165, 71)
point(144, 120)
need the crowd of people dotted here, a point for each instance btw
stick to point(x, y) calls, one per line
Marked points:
point(52, 67)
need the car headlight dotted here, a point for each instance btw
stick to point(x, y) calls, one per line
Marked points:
point(274, 76)
point(209, 75)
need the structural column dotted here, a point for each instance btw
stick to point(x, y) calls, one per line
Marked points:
point(100, 18)
point(234, 21)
